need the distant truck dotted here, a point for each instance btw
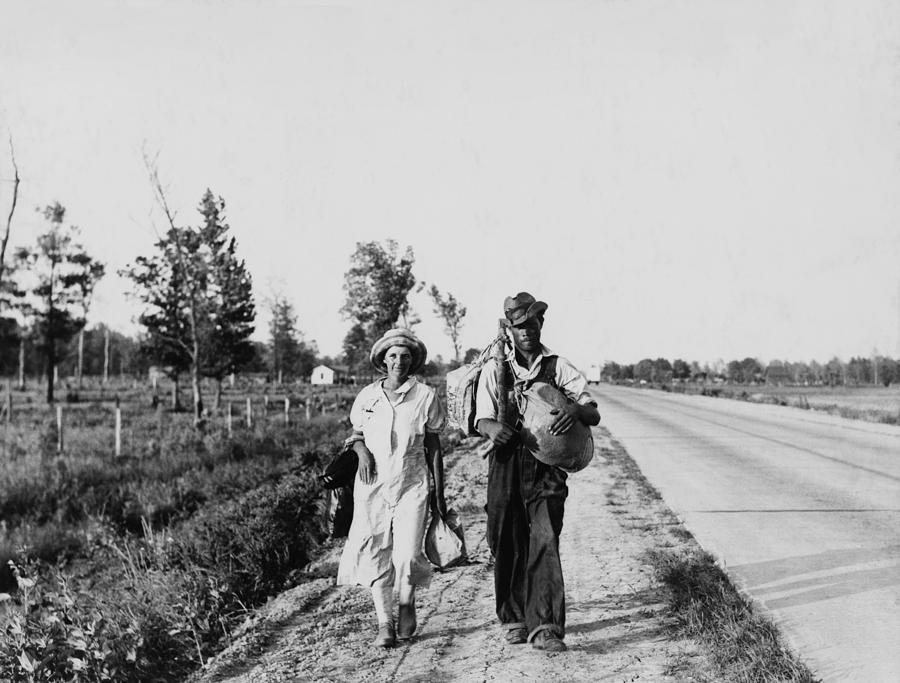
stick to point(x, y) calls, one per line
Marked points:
point(593, 374)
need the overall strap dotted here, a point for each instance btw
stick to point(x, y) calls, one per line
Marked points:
point(548, 370)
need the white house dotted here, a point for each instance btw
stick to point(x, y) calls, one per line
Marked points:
point(322, 374)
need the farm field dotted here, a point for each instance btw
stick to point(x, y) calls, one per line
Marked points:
point(136, 566)
point(870, 403)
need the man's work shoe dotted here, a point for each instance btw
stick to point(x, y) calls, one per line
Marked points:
point(385, 637)
point(406, 625)
point(548, 641)
point(516, 635)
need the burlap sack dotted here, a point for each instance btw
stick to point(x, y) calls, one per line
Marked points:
point(571, 451)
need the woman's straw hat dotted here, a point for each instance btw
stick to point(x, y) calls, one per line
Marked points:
point(399, 337)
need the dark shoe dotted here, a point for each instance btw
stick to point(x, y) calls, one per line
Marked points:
point(548, 641)
point(406, 625)
point(385, 637)
point(516, 635)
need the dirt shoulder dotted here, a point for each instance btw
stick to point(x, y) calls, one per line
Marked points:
point(617, 628)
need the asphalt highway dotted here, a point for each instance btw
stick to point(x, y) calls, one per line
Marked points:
point(801, 508)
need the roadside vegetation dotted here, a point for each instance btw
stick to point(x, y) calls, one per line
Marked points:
point(741, 644)
point(138, 568)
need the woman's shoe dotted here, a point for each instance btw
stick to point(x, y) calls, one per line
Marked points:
point(406, 625)
point(385, 637)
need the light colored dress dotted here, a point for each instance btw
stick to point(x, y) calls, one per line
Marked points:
point(384, 544)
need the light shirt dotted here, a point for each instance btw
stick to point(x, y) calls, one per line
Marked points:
point(395, 433)
point(568, 379)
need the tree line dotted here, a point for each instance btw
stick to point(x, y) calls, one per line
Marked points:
point(196, 306)
point(857, 371)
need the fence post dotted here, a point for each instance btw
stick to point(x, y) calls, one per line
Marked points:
point(60, 441)
point(249, 413)
point(228, 420)
point(307, 410)
point(8, 402)
point(287, 410)
point(118, 431)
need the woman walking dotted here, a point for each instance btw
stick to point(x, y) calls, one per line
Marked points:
point(396, 424)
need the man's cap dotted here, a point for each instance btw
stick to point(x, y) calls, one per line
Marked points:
point(521, 307)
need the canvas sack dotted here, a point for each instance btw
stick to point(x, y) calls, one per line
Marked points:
point(571, 451)
point(445, 544)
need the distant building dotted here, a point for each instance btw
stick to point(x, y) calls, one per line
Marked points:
point(322, 374)
point(778, 374)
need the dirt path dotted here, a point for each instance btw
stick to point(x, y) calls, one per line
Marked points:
point(616, 628)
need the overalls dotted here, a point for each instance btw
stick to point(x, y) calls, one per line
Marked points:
point(525, 504)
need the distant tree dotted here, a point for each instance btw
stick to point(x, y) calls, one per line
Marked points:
point(662, 371)
point(734, 372)
point(62, 272)
point(888, 371)
point(4, 240)
point(197, 296)
point(289, 355)
point(451, 312)
point(356, 348)
point(611, 371)
point(834, 372)
point(643, 370)
point(681, 370)
point(377, 287)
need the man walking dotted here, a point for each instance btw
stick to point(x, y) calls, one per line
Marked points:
point(526, 497)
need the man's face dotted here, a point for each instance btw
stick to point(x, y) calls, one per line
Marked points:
point(527, 335)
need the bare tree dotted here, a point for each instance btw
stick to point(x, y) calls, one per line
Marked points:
point(191, 295)
point(12, 210)
point(452, 312)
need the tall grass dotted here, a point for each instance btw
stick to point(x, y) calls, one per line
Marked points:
point(744, 645)
point(136, 569)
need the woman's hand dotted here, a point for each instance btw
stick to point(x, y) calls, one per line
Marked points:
point(366, 468)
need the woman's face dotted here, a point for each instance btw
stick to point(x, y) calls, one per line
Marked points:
point(398, 361)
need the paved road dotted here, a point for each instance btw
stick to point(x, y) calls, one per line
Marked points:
point(802, 508)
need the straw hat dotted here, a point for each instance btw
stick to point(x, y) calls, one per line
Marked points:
point(399, 337)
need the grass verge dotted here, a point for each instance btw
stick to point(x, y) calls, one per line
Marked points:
point(743, 645)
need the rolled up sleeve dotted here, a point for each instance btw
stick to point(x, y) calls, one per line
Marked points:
point(486, 395)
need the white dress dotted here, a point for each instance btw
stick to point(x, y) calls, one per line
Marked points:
point(384, 544)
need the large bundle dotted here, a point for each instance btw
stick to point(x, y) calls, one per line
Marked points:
point(461, 386)
point(571, 451)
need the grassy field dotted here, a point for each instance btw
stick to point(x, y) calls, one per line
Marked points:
point(136, 567)
point(871, 403)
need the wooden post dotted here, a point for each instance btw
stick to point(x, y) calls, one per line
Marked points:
point(307, 410)
point(22, 364)
point(231, 380)
point(280, 376)
point(60, 441)
point(80, 356)
point(8, 402)
point(228, 420)
point(503, 378)
point(118, 431)
point(249, 413)
point(287, 410)
point(106, 355)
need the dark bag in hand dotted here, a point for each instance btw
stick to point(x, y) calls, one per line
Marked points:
point(341, 471)
point(339, 511)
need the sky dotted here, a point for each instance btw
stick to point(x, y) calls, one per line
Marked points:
point(696, 179)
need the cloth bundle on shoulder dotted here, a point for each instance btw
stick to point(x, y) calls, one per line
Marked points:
point(461, 386)
point(571, 451)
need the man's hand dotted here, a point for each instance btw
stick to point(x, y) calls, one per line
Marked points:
point(585, 413)
point(567, 416)
point(366, 467)
point(497, 432)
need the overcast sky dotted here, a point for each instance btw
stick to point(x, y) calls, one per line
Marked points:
point(677, 178)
